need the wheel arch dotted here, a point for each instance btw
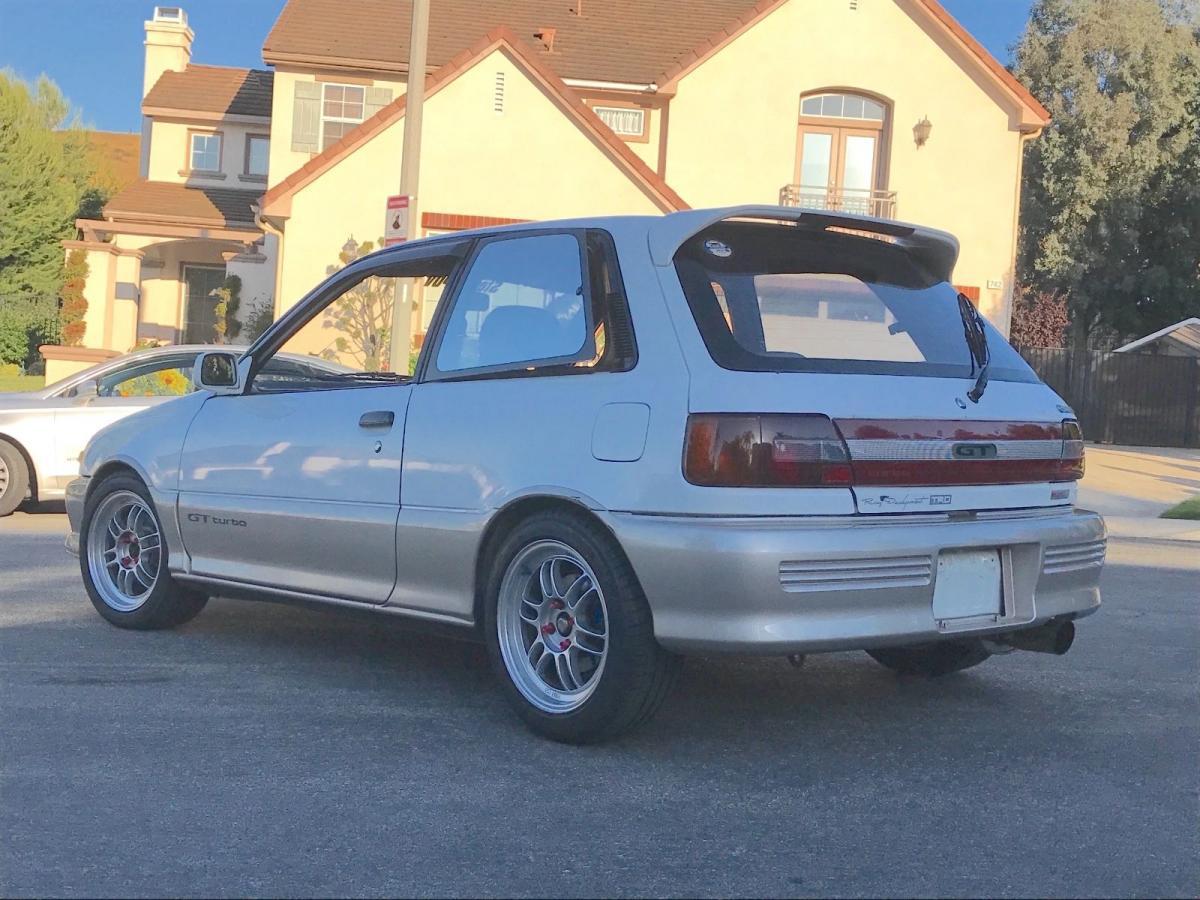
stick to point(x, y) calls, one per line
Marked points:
point(30, 466)
point(112, 467)
point(522, 508)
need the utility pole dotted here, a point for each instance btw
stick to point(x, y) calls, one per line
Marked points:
point(410, 172)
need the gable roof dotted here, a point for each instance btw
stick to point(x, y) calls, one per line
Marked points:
point(213, 89)
point(635, 42)
point(614, 40)
point(172, 202)
point(274, 202)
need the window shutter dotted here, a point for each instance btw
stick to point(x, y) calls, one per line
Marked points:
point(376, 99)
point(306, 117)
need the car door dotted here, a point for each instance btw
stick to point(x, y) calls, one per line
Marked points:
point(526, 383)
point(118, 392)
point(294, 484)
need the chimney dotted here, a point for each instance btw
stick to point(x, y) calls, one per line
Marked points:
point(546, 36)
point(168, 44)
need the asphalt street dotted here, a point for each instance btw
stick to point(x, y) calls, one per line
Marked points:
point(265, 750)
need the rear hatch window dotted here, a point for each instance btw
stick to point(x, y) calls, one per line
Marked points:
point(786, 298)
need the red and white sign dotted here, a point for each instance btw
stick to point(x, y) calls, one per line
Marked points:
point(395, 230)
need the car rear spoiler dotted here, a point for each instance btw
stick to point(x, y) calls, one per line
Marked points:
point(936, 251)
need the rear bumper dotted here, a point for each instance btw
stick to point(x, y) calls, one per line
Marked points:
point(75, 495)
point(755, 585)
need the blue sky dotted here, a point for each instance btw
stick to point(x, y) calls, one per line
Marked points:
point(93, 48)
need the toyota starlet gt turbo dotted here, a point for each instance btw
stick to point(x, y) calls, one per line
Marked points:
point(750, 430)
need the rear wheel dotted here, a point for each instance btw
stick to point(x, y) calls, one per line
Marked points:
point(123, 559)
point(14, 478)
point(570, 633)
point(932, 660)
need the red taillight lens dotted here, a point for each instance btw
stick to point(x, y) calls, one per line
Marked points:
point(737, 450)
point(1071, 463)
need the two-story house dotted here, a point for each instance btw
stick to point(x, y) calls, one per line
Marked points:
point(545, 109)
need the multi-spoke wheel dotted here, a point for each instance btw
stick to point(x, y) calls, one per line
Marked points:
point(570, 631)
point(123, 558)
point(553, 626)
point(14, 478)
point(124, 550)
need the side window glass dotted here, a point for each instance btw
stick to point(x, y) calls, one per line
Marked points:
point(162, 378)
point(347, 342)
point(522, 304)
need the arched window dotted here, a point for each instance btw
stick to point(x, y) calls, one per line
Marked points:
point(840, 154)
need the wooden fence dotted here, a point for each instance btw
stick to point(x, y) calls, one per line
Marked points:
point(1126, 398)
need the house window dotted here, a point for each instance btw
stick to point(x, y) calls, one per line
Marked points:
point(257, 155)
point(341, 109)
point(205, 154)
point(841, 154)
point(625, 121)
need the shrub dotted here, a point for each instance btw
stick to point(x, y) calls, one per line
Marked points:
point(72, 304)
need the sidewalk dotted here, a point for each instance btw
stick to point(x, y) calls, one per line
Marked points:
point(1131, 486)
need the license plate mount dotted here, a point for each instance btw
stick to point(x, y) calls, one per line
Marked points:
point(968, 588)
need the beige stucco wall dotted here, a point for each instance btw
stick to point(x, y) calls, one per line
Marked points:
point(531, 162)
point(963, 180)
point(285, 160)
point(169, 152)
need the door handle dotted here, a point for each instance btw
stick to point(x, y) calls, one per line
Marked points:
point(379, 418)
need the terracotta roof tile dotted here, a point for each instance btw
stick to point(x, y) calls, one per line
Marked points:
point(159, 200)
point(215, 89)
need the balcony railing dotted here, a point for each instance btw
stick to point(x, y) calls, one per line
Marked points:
point(880, 204)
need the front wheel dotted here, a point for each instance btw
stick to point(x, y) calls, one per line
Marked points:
point(570, 633)
point(123, 559)
point(932, 660)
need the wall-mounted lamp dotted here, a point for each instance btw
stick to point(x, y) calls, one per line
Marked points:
point(921, 131)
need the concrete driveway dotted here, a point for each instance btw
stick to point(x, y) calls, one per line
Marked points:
point(1132, 486)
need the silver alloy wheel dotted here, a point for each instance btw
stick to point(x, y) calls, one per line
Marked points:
point(124, 550)
point(553, 626)
point(3, 477)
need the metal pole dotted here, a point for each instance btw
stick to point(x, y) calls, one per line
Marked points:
point(410, 172)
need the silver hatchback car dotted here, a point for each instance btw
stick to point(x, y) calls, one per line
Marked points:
point(753, 430)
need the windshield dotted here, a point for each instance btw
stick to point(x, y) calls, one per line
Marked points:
point(779, 298)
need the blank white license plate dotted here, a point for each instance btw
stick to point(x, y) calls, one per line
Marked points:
point(967, 585)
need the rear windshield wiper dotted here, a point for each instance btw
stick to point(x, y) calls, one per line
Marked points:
point(977, 343)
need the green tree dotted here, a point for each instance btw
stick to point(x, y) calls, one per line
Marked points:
point(362, 316)
point(43, 178)
point(1109, 209)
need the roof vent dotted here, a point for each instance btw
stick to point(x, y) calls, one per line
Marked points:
point(498, 94)
point(546, 36)
point(173, 14)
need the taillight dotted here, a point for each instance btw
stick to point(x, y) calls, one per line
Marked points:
point(736, 450)
point(1071, 463)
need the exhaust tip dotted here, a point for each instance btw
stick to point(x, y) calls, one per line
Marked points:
point(1052, 637)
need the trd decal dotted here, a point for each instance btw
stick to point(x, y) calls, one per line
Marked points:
point(903, 501)
point(216, 520)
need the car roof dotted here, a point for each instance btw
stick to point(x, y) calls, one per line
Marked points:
point(936, 250)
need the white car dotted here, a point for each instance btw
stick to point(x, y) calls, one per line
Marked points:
point(752, 430)
point(43, 433)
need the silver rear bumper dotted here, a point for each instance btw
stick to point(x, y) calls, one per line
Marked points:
point(755, 585)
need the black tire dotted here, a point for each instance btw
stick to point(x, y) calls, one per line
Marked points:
point(168, 604)
point(15, 488)
point(932, 660)
point(638, 673)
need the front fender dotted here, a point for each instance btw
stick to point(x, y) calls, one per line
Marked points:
point(149, 442)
